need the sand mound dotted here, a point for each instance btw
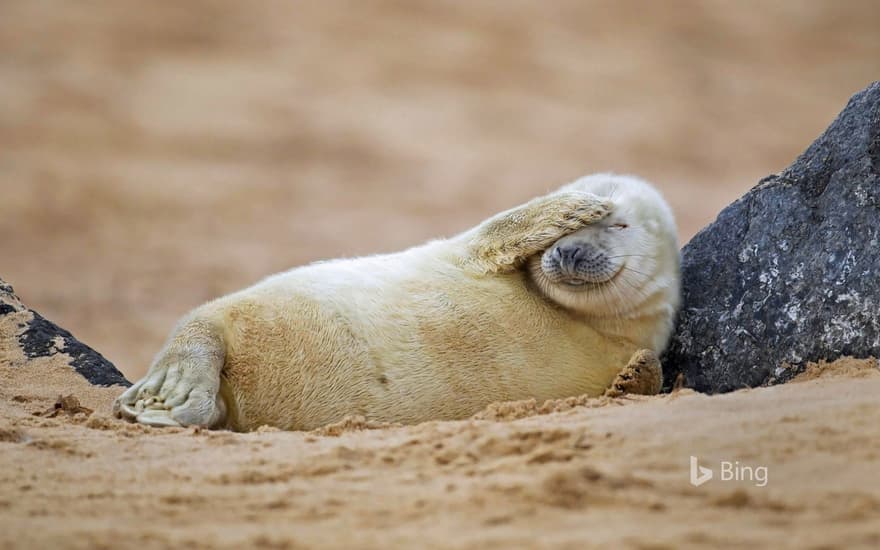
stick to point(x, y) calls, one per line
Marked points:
point(350, 424)
point(845, 366)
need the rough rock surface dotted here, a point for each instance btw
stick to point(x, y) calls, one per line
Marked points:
point(789, 272)
point(23, 331)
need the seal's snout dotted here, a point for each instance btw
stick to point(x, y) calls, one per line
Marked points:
point(569, 255)
point(578, 261)
point(576, 257)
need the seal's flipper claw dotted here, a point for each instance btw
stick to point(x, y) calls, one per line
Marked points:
point(158, 418)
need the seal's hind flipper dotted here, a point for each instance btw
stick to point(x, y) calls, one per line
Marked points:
point(642, 375)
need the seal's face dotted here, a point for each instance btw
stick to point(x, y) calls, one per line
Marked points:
point(588, 257)
point(619, 266)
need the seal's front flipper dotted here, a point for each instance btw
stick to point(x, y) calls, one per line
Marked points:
point(643, 375)
point(505, 241)
point(182, 386)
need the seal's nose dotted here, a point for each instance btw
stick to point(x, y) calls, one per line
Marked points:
point(569, 255)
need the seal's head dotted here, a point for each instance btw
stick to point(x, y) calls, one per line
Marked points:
point(622, 267)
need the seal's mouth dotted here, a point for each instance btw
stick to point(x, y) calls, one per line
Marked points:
point(575, 282)
point(580, 265)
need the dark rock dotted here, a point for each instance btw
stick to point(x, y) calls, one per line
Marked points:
point(789, 272)
point(37, 337)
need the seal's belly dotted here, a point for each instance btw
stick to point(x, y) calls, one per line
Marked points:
point(455, 357)
point(406, 353)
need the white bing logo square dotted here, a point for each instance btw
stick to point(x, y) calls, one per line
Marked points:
point(699, 474)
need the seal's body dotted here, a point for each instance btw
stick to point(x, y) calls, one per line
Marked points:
point(546, 300)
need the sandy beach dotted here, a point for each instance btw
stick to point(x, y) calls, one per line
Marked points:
point(605, 472)
point(157, 155)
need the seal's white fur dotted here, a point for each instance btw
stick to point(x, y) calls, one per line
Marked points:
point(435, 332)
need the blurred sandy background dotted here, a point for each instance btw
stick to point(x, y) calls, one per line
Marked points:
point(154, 155)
